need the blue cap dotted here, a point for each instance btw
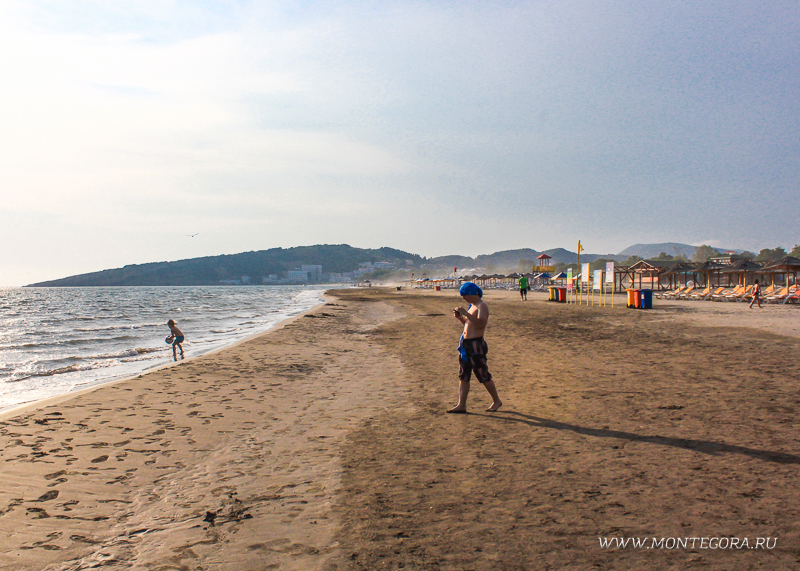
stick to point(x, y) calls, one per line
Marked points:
point(469, 288)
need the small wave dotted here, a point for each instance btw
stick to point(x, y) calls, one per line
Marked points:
point(119, 354)
point(52, 372)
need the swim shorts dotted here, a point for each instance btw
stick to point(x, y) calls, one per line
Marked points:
point(476, 350)
point(178, 340)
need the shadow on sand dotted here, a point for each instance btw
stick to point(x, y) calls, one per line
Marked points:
point(702, 446)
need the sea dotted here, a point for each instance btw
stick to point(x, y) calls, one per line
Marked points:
point(54, 341)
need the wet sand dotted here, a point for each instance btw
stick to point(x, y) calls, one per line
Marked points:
point(324, 445)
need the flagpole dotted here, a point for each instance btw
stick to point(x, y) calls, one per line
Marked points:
point(578, 272)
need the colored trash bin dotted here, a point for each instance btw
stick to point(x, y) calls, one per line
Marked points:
point(437, 288)
point(631, 297)
point(562, 295)
point(646, 301)
point(553, 291)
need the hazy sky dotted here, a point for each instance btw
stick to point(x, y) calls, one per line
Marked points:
point(434, 127)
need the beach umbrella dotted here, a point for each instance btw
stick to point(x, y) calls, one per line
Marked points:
point(788, 264)
point(709, 267)
point(741, 267)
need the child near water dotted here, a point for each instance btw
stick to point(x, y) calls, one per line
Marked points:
point(176, 338)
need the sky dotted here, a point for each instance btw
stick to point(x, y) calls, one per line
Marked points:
point(435, 127)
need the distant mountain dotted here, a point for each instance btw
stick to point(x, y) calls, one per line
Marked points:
point(652, 250)
point(648, 251)
point(506, 258)
point(450, 262)
point(210, 270)
point(562, 256)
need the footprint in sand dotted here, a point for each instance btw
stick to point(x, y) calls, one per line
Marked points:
point(99, 459)
point(46, 497)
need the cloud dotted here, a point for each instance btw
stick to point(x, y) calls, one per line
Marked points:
point(370, 123)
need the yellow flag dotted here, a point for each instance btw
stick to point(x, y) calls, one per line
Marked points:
point(580, 248)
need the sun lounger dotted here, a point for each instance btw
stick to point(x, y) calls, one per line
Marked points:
point(779, 296)
point(685, 293)
point(794, 296)
point(671, 293)
point(707, 293)
point(720, 296)
point(738, 296)
point(700, 294)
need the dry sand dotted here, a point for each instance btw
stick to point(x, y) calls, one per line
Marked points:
point(323, 445)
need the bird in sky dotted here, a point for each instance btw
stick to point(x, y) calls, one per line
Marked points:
point(193, 235)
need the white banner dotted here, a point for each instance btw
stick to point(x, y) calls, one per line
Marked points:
point(610, 272)
point(597, 280)
point(585, 273)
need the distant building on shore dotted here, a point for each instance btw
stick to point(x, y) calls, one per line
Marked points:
point(314, 273)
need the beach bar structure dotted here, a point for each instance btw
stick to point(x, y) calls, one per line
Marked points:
point(543, 264)
point(666, 275)
point(788, 265)
point(644, 274)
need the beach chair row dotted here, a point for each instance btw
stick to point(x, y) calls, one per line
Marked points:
point(771, 294)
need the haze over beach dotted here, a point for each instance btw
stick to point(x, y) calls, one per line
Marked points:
point(159, 131)
point(254, 184)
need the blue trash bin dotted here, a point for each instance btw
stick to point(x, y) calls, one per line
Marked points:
point(647, 299)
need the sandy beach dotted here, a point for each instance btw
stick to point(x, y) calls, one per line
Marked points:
point(324, 445)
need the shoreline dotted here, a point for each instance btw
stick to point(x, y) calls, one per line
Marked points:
point(33, 405)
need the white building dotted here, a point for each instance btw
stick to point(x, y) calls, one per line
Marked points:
point(314, 272)
point(297, 276)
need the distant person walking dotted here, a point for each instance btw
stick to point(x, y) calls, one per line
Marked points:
point(472, 348)
point(523, 288)
point(176, 338)
point(756, 295)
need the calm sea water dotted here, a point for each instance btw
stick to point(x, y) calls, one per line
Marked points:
point(57, 340)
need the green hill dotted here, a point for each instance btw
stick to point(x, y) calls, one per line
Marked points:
point(210, 270)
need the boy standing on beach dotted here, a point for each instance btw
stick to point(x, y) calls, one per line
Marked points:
point(472, 348)
point(176, 338)
point(523, 288)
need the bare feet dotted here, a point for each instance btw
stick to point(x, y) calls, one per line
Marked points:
point(495, 406)
point(457, 410)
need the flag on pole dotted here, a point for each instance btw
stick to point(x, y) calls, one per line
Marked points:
point(580, 248)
